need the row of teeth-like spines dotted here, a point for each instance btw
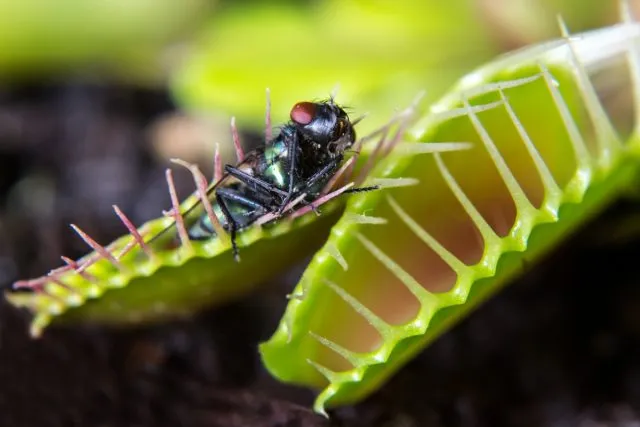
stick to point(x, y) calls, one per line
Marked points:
point(608, 148)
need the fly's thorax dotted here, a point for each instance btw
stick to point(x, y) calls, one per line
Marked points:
point(265, 163)
point(320, 132)
point(275, 163)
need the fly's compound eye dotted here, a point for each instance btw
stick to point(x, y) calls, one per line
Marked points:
point(303, 113)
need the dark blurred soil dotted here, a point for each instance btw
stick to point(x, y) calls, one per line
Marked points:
point(560, 347)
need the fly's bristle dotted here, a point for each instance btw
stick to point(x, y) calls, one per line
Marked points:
point(334, 92)
point(357, 119)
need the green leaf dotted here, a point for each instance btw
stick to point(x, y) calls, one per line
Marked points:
point(380, 54)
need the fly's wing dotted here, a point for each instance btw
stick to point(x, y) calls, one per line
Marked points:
point(194, 212)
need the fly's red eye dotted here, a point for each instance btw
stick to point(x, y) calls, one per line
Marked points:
point(303, 112)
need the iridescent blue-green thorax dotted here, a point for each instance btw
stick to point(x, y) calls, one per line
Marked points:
point(273, 168)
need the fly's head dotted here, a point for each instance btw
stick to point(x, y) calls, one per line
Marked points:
point(326, 129)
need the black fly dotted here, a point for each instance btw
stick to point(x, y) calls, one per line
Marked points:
point(297, 163)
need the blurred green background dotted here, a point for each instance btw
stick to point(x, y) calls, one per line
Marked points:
point(219, 56)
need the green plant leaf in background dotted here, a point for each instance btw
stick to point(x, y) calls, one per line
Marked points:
point(546, 158)
point(379, 52)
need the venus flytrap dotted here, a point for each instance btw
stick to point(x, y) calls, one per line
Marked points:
point(519, 154)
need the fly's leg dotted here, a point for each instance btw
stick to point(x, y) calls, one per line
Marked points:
point(292, 149)
point(233, 225)
point(362, 189)
point(224, 195)
point(258, 183)
point(232, 195)
point(326, 169)
point(315, 209)
point(311, 181)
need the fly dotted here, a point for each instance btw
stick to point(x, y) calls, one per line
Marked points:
point(296, 164)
